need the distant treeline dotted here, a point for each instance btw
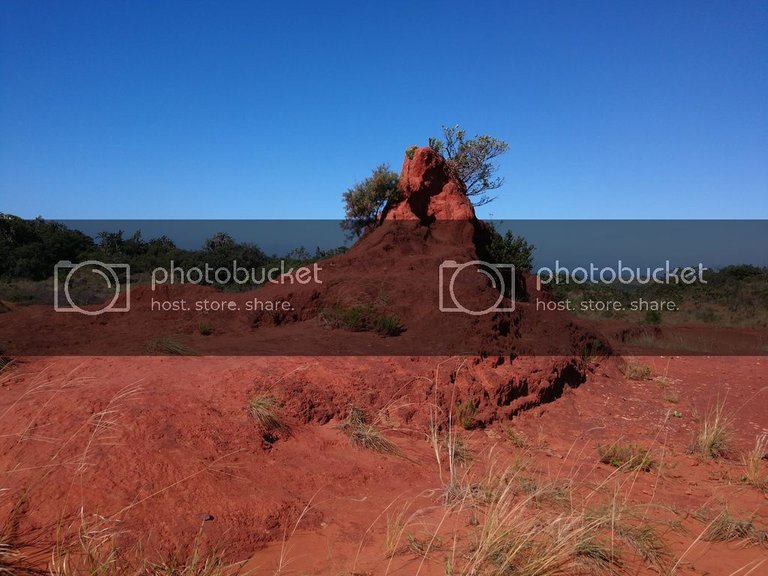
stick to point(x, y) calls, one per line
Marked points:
point(29, 250)
point(736, 294)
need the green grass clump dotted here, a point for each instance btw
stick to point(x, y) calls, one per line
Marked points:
point(168, 345)
point(626, 456)
point(387, 325)
point(517, 438)
point(361, 318)
point(466, 414)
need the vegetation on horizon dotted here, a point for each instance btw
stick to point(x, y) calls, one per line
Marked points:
point(30, 249)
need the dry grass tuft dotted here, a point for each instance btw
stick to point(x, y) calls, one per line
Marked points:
point(645, 540)
point(13, 562)
point(364, 434)
point(753, 462)
point(726, 528)
point(17, 546)
point(715, 434)
point(635, 371)
point(265, 410)
point(627, 457)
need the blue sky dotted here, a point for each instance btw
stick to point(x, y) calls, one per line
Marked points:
point(271, 110)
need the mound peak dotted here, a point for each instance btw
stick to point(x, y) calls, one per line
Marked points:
point(430, 191)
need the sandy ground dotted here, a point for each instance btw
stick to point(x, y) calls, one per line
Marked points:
point(161, 451)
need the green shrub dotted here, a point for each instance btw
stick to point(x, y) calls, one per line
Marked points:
point(510, 249)
point(364, 201)
point(653, 317)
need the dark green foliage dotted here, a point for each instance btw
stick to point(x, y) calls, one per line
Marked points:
point(365, 200)
point(387, 325)
point(471, 160)
point(653, 317)
point(301, 256)
point(31, 248)
point(510, 249)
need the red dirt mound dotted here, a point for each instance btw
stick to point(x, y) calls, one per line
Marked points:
point(410, 273)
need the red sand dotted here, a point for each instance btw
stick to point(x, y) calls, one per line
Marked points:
point(148, 445)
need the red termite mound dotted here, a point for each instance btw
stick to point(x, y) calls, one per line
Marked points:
point(430, 191)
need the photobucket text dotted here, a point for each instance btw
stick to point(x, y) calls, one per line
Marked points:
point(208, 274)
point(623, 274)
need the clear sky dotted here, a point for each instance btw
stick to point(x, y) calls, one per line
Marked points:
point(217, 109)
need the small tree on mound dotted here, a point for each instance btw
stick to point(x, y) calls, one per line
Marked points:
point(472, 161)
point(364, 201)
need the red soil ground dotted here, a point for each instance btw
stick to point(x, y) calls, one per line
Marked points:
point(149, 447)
